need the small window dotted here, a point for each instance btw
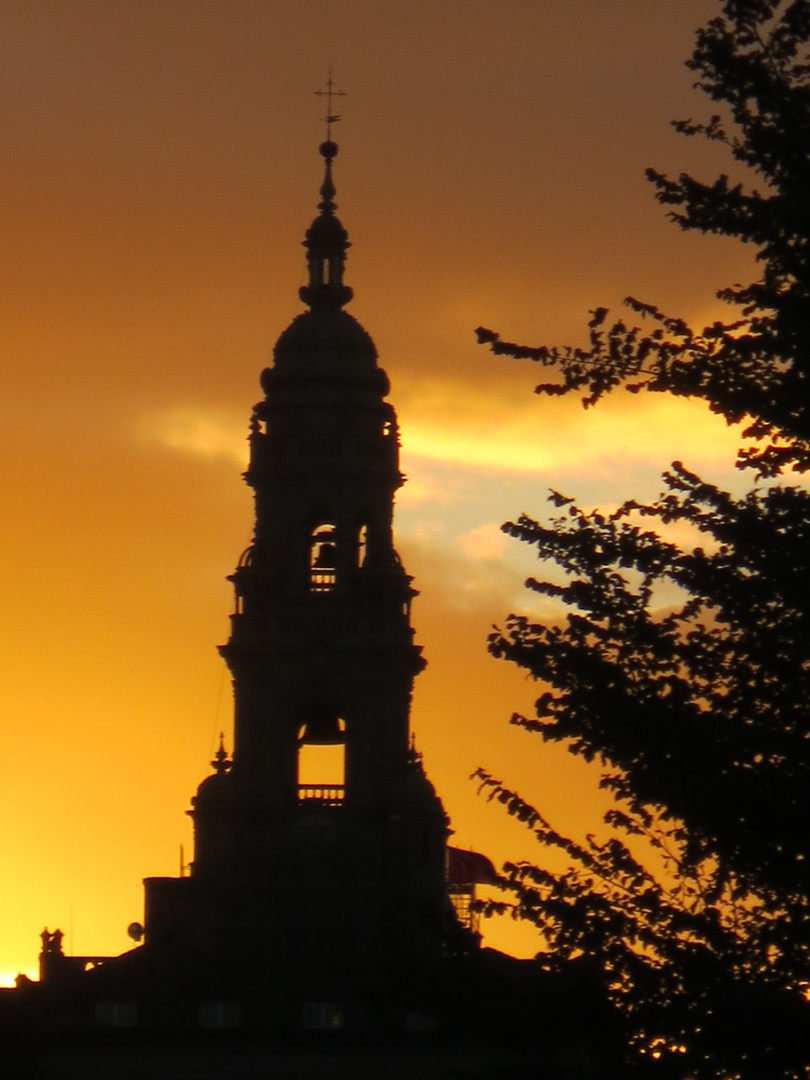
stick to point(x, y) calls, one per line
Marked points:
point(322, 559)
point(462, 897)
point(362, 544)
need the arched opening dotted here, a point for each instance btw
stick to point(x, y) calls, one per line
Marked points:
point(362, 544)
point(322, 558)
point(321, 755)
point(321, 767)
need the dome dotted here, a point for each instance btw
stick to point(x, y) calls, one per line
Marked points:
point(215, 789)
point(218, 787)
point(326, 330)
point(327, 230)
point(326, 343)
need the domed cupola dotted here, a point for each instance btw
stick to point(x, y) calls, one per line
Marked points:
point(325, 343)
point(212, 810)
point(219, 784)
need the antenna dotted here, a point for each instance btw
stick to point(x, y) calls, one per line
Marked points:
point(329, 93)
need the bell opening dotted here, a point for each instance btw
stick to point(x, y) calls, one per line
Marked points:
point(321, 767)
point(321, 755)
point(322, 559)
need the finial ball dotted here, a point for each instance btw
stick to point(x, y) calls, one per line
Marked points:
point(328, 149)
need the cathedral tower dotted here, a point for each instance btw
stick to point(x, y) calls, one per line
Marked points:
point(340, 876)
point(320, 890)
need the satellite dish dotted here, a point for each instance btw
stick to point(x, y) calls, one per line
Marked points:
point(135, 931)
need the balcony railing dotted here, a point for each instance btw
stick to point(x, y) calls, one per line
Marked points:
point(326, 794)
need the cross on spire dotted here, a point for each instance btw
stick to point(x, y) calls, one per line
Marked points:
point(329, 93)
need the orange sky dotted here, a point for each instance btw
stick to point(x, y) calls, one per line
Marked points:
point(158, 170)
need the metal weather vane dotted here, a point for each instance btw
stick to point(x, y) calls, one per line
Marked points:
point(329, 93)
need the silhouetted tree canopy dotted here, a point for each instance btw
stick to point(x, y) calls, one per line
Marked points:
point(686, 670)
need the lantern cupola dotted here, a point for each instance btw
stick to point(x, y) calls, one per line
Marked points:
point(326, 243)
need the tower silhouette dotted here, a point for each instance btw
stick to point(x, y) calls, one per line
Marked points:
point(327, 882)
point(315, 900)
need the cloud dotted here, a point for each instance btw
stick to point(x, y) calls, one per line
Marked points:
point(486, 542)
point(476, 427)
point(446, 576)
point(202, 431)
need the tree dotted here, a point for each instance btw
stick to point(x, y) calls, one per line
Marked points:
point(686, 672)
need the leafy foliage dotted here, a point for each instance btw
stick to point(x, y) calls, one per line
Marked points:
point(699, 710)
point(685, 670)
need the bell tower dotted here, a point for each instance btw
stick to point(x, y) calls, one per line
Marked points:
point(336, 876)
point(321, 648)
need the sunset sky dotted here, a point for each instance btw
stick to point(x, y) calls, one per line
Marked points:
point(158, 169)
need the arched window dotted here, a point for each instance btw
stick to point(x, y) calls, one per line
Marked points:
point(322, 559)
point(362, 544)
point(321, 755)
